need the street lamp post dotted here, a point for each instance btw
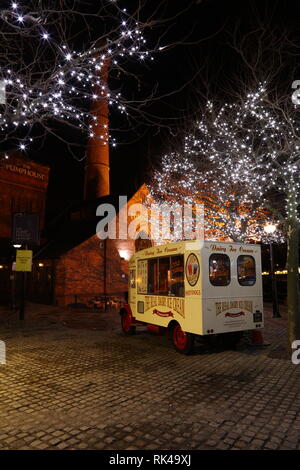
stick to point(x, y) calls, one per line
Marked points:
point(14, 296)
point(270, 229)
point(23, 288)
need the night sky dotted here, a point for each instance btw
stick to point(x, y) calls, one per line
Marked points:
point(199, 62)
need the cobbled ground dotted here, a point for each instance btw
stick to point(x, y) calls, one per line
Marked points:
point(79, 383)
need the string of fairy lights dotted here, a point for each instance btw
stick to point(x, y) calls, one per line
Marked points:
point(235, 160)
point(66, 87)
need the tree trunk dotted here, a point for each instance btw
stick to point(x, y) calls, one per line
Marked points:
point(293, 280)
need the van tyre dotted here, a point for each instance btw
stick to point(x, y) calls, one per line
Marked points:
point(126, 323)
point(183, 342)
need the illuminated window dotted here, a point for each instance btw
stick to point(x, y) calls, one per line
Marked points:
point(166, 276)
point(176, 287)
point(163, 275)
point(132, 278)
point(246, 270)
point(153, 276)
point(142, 276)
point(219, 269)
point(158, 275)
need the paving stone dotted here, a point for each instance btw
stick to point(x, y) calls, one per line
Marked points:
point(55, 441)
point(271, 445)
point(257, 444)
point(62, 445)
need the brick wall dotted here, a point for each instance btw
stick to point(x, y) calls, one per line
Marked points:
point(79, 273)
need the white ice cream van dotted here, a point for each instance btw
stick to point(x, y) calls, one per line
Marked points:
point(195, 290)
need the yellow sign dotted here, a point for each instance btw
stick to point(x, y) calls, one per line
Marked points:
point(174, 303)
point(24, 260)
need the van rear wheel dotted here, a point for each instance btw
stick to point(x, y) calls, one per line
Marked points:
point(183, 342)
point(126, 323)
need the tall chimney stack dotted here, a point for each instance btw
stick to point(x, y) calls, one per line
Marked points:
point(96, 178)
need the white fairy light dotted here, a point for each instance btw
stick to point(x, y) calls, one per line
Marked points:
point(232, 173)
point(70, 79)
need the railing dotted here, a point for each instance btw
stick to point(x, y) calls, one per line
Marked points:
point(101, 302)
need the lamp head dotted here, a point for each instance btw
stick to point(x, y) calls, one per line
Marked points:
point(270, 228)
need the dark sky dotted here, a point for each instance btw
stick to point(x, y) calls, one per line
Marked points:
point(201, 59)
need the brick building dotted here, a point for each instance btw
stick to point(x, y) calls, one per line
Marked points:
point(83, 267)
point(72, 265)
point(23, 188)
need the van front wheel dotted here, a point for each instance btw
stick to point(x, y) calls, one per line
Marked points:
point(183, 342)
point(126, 323)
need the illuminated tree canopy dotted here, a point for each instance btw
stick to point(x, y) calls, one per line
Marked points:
point(242, 160)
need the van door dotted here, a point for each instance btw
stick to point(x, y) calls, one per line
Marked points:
point(132, 289)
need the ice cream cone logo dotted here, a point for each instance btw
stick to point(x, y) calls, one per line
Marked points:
point(192, 269)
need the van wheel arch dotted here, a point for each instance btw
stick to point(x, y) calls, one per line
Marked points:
point(122, 311)
point(183, 342)
point(126, 321)
point(171, 325)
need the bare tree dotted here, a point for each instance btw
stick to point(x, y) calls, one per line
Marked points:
point(52, 54)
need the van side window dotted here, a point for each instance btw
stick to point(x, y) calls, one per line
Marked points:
point(166, 276)
point(163, 275)
point(153, 276)
point(176, 286)
point(219, 269)
point(132, 278)
point(246, 270)
point(142, 276)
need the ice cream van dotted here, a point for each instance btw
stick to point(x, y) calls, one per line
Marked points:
point(195, 290)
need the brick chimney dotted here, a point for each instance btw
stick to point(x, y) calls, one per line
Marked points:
point(96, 178)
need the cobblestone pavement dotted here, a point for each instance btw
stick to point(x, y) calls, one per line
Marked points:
point(81, 388)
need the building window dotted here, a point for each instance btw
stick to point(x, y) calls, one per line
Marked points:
point(246, 270)
point(219, 269)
